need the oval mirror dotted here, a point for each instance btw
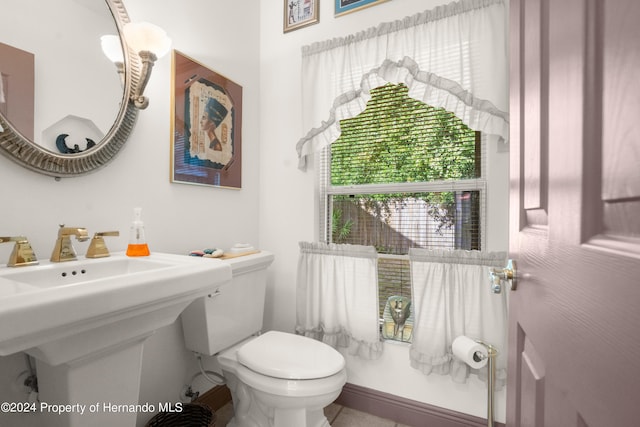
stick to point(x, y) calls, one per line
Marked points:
point(59, 119)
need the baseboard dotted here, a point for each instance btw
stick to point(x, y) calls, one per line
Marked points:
point(216, 397)
point(405, 411)
point(398, 409)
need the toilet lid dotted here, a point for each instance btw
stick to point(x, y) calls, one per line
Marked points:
point(289, 356)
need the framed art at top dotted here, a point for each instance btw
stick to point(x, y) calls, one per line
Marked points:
point(346, 6)
point(300, 13)
point(206, 145)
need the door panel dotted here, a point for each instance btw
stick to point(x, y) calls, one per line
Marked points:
point(574, 352)
point(621, 177)
point(534, 129)
point(532, 384)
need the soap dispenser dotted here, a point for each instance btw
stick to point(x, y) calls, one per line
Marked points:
point(137, 241)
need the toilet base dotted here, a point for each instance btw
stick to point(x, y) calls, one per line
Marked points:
point(262, 400)
point(254, 408)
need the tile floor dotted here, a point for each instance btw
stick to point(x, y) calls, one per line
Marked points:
point(338, 416)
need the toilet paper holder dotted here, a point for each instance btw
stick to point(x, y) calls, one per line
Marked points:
point(490, 357)
point(492, 353)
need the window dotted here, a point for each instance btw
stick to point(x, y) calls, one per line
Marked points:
point(402, 174)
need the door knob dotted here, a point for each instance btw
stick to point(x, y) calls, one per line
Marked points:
point(498, 275)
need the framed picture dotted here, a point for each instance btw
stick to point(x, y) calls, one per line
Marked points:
point(300, 13)
point(347, 6)
point(206, 144)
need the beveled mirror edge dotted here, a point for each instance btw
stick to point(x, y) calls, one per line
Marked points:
point(36, 158)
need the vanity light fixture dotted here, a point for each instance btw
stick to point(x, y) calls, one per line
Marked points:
point(112, 49)
point(150, 42)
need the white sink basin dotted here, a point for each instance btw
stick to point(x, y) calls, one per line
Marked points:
point(47, 309)
point(52, 275)
point(86, 322)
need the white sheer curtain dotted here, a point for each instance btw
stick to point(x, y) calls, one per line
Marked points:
point(337, 297)
point(454, 56)
point(452, 297)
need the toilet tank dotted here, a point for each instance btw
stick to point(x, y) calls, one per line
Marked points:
point(233, 311)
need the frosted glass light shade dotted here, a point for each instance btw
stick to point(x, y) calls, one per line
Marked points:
point(144, 36)
point(112, 48)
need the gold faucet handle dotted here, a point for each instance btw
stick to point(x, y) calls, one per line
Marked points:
point(97, 247)
point(80, 233)
point(22, 253)
point(106, 233)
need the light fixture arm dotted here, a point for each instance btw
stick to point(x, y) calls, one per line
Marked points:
point(150, 42)
point(148, 59)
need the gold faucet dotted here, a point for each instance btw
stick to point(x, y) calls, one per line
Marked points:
point(97, 247)
point(22, 253)
point(63, 250)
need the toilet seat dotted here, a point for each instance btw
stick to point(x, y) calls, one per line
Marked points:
point(229, 361)
point(290, 388)
point(288, 356)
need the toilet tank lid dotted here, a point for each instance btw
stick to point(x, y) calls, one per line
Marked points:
point(289, 356)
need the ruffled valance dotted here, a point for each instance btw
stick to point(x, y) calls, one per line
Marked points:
point(453, 57)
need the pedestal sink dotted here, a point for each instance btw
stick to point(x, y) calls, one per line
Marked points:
point(85, 322)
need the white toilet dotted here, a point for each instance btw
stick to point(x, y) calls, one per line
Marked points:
point(276, 379)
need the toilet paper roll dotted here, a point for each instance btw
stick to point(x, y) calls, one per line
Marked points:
point(470, 352)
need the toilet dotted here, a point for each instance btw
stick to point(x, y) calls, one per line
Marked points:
point(276, 379)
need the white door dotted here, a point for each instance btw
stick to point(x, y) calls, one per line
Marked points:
point(574, 337)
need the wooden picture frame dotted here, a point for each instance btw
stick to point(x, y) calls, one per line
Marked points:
point(206, 128)
point(344, 7)
point(300, 13)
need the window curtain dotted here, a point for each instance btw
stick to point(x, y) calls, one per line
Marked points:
point(452, 297)
point(337, 297)
point(454, 56)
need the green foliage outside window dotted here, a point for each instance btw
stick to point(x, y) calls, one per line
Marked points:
point(398, 139)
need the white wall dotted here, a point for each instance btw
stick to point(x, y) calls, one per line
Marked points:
point(274, 210)
point(288, 204)
point(178, 217)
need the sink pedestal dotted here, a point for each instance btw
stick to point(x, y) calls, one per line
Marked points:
point(95, 385)
point(99, 368)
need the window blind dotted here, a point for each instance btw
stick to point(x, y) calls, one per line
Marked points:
point(403, 174)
